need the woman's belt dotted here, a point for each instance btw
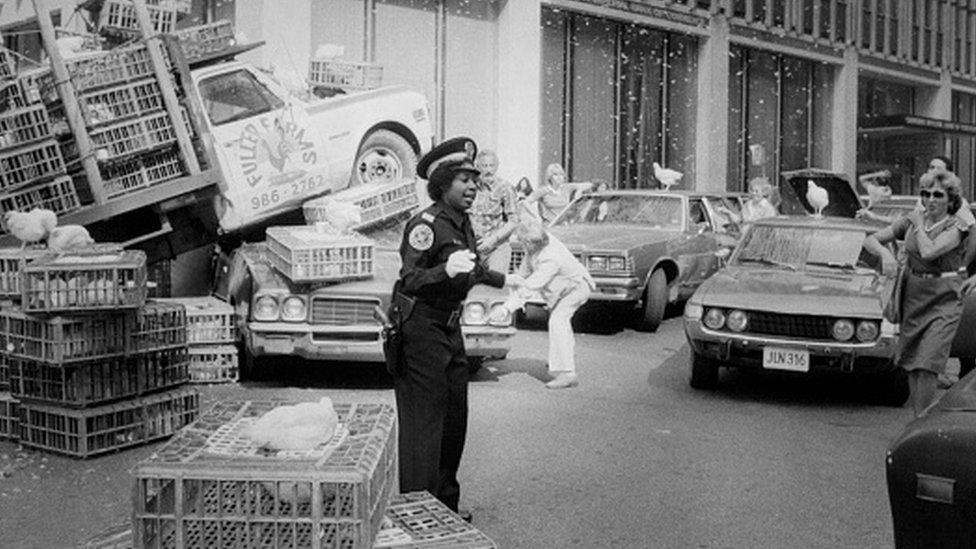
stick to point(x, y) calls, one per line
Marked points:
point(947, 274)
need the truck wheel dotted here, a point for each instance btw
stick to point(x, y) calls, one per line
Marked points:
point(383, 157)
point(704, 372)
point(655, 302)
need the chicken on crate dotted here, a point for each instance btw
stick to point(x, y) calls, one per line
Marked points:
point(283, 479)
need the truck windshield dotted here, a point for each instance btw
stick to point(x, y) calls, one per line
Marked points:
point(235, 96)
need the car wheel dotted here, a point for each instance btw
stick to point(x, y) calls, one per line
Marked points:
point(250, 369)
point(383, 157)
point(655, 302)
point(704, 372)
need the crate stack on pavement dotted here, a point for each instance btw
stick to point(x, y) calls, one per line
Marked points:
point(93, 366)
point(211, 336)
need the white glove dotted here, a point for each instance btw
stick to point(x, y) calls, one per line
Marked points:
point(461, 261)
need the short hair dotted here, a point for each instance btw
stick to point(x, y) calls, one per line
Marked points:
point(949, 182)
point(554, 168)
point(761, 183)
point(945, 160)
point(532, 233)
point(485, 153)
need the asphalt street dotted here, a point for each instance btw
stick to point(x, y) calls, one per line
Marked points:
point(631, 458)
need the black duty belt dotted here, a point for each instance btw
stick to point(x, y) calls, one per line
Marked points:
point(449, 316)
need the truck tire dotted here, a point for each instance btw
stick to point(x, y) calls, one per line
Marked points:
point(383, 157)
point(655, 302)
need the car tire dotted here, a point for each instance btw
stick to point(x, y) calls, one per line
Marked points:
point(383, 157)
point(655, 302)
point(704, 372)
point(250, 368)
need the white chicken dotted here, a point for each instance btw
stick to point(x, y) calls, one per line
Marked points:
point(68, 237)
point(30, 227)
point(666, 176)
point(70, 46)
point(817, 197)
point(297, 427)
point(342, 216)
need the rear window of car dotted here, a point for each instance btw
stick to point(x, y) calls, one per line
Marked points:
point(665, 212)
point(804, 248)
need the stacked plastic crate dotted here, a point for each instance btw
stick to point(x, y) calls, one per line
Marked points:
point(32, 169)
point(211, 334)
point(93, 365)
point(377, 203)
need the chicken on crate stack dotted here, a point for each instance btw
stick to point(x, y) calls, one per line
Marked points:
point(211, 334)
point(93, 366)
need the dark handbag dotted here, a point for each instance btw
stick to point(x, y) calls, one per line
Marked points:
point(891, 310)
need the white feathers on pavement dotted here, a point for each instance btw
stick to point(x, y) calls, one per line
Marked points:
point(68, 237)
point(666, 176)
point(817, 197)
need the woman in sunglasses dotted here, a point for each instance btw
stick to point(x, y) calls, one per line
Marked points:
point(931, 303)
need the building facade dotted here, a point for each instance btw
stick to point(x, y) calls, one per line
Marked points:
point(721, 90)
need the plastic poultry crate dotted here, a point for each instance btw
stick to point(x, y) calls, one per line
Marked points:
point(78, 281)
point(143, 171)
point(107, 68)
point(59, 195)
point(307, 254)
point(211, 486)
point(120, 102)
point(12, 261)
point(418, 520)
point(376, 203)
point(12, 95)
point(159, 325)
point(88, 432)
point(100, 381)
point(334, 73)
point(23, 126)
point(60, 340)
point(209, 319)
point(118, 17)
point(213, 364)
point(9, 417)
point(134, 136)
point(27, 164)
point(8, 66)
point(202, 40)
point(4, 372)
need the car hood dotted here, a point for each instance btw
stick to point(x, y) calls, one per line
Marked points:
point(609, 237)
point(793, 292)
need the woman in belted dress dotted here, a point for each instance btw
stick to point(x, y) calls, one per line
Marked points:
point(931, 305)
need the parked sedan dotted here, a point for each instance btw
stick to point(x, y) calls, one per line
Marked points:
point(931, 474)
point(647, 248)
point(799, 295)
point(338, 321)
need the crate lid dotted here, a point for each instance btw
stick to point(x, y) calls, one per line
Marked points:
point(90, 257)
point(302, 236)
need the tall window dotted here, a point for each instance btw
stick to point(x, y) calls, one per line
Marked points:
point(779, 112)
point(963, 147)
point(617, 97)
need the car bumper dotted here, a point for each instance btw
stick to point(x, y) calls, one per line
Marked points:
point(617, 289)
point(357, 343)
point(746, 351)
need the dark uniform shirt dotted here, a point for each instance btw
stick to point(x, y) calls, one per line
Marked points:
point(429, 238)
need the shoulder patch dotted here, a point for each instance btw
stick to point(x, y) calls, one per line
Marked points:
point(427, 216)
point(421, 237)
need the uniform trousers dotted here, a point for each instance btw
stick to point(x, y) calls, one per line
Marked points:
point(432, 404)
point(562, 342)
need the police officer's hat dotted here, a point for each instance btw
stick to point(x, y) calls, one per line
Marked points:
point(443, 161)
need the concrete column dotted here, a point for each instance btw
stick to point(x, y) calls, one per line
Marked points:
point(519, 80)
point(712, 117)
point(844, 111)
point(935, 101)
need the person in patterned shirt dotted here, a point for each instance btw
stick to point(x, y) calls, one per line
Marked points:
point(494, 212)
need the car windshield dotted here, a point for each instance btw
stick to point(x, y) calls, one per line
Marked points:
point(805, 248)
point(234, 96)
point(657, 211)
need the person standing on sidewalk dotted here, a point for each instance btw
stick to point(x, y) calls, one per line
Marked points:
point(440, 264)
point(494, 212)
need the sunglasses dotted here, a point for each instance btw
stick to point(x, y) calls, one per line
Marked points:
point(938, 195)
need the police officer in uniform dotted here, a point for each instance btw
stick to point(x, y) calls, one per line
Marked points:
point(439, 266)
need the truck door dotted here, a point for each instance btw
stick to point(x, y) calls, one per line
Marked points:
point(272, 159)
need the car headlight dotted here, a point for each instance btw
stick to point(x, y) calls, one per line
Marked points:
point(266, 308)
point(474, 313)
point(293, 309)
point(598, 262)
point(506, 315)
point(617, 263)
point(843, 329)
point(867, 330)
point(738, 321)
point(715, 319)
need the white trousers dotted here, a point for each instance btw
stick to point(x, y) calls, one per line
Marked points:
point(562, 342)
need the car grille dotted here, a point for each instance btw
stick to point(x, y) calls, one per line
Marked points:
point(343, 312)
point(808, 327)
